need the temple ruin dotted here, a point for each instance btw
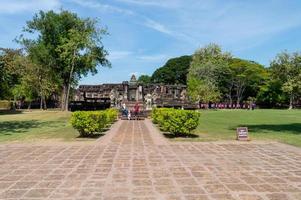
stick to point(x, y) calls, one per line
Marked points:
point(131, 92)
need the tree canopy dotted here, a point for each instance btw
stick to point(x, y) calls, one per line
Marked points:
point(215, 75)
point(144, 79)
point(286, 69)
point(69, 46)
point(204, 71)
point(173, 72)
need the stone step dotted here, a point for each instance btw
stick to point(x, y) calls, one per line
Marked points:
point(133, 118)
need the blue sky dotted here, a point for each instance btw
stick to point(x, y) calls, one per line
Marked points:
point(144, 34)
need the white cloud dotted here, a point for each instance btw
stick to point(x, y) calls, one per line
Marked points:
point(153, 58)
point(126, 55)
point(157, 26)
point(16, 6)
point(154, 3)
point(145, 21)
point(118, 55)
point(101, 6)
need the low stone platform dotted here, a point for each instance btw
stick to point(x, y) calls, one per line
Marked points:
point(134, 161)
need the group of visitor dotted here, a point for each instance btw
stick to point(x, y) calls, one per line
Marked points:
point(128, 113)
point(227, 106)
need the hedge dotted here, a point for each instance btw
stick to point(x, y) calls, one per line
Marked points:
point(90, 122)
point(178, 122)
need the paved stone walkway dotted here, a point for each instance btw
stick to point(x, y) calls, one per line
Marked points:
point(133, 161)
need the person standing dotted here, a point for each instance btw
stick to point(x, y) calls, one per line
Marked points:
point(136, 110)
point(124, 110)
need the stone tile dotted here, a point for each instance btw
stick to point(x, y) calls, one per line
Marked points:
point(192, 190)
point(14, 194)
point(23, 185)
point(239, 187)
point(197, 197)
point(264, 188)
point(38, 193)
point(216, 188)
point(250, 197)
point(133, 161)
point(222, 197)
point(277, 196)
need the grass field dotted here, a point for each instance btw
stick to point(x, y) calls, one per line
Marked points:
point(276, 125)
point(36, 125)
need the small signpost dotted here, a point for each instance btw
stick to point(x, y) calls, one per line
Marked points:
point(242, 134)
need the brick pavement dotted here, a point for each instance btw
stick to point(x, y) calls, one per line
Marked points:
point(134, 161)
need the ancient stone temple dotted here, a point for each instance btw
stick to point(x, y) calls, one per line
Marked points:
point(131, 92)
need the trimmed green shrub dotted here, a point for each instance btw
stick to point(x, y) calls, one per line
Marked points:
point(90, 122)
point(178, 122)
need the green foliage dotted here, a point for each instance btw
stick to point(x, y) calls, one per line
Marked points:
point(69, 45)
point(144, 79)
point(286, 68)
point(202, 90)
point(176, 121)
point(271, 94)
point(173, 72)
point(244, 79)
point(9, 72)
point(89, 122)
point(214, 75)
point(204, 73)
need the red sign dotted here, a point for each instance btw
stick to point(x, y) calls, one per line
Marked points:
point(242, 133)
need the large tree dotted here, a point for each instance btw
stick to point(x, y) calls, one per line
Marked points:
point(20, 76)
point(286, 68)
point(40, 77)
point(9, 72)
point(173, 72)
point(71, 47)
point(204, 71)
point(244, 79)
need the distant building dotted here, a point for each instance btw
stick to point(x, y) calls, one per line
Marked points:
point(131, 92)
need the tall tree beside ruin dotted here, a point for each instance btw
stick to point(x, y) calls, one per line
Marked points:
point(244, 79)
point(204, 71)
point(72, 47)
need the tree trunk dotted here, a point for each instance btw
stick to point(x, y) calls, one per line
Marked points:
point(69, 82)
point(45, 105)
point(29, 105)
point(14, 103)
point(41, 102)
point(238, 100)
point(291, 106)
point(63, 100)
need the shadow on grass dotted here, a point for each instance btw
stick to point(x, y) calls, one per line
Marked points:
point(92, 136)
point(10, 112)
point(171, 135)
point(11, 127)
point(294, 128)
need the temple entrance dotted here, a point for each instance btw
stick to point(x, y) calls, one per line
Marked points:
point(132, 95)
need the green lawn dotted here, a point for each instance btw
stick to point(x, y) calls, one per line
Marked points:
point(36, 125)
point(276, 125)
